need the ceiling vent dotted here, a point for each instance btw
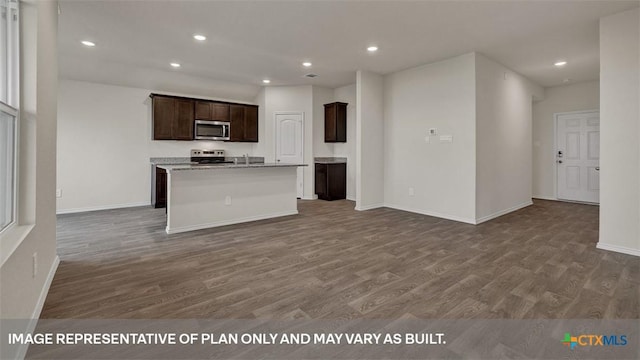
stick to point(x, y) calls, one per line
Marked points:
point(311, 75)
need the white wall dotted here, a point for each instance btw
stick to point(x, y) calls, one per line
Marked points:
point(439, 95)
point(369, 140)
point(574, 97)
point(261, 101)
point(347, 94)
point(503, 139)
point(23, 293)
point(298, 99)
point(105, 142)
point(620, 132)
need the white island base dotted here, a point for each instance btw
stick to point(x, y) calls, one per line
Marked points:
point(199, 198)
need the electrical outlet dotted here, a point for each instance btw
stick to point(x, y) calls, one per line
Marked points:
point(58, 193)
point(411, 193)
point(35, 264)
point(227, 200)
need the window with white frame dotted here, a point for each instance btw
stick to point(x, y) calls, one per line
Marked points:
point(9, 103)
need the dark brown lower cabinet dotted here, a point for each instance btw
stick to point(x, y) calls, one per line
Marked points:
point(160, 188)
point(331, 181)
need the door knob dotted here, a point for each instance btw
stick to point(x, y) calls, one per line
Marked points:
point(598, 168)
point(559, 161)
point(278, 160)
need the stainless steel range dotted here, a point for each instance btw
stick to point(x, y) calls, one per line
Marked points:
point(202, 156)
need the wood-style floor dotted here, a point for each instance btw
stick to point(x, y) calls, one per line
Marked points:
point(332, 262)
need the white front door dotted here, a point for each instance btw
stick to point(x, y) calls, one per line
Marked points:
point(290, 143)
point(578, 156)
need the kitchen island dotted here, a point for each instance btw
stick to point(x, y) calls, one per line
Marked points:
point(206, 196)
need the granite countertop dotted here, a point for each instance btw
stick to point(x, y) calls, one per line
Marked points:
point(179, 167)
point(170, 161)
point(330, 160)
point(187, 161)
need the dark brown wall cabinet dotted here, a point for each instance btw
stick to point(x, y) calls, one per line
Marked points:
point(331, 181)
point(172, 118)
point(209, 110)
point(335, 122)
point(244, 123)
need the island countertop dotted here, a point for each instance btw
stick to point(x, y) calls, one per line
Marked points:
point(182, 167)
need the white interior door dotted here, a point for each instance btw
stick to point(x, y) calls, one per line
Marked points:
point(290, 143)
point(578, 156)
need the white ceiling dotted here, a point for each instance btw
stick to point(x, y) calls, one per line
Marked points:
point(251, 40)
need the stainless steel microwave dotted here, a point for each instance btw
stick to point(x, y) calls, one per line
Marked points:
point(211, 130)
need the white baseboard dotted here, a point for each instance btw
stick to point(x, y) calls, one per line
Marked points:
point(566, 201)
point(97, 208)
point(45, 288)
point(620, 249)
point(369, 207)
point(503, 212)
point(544, 197)
point(31, 327)
point(228, 222)
point(431, 213)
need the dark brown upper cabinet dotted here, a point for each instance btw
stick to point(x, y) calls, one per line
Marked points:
point(244, 123)
point(172, 118)
point(335, 122)
point(250, 123)
point(236, 114)
point(211, 110)
point(203, 110)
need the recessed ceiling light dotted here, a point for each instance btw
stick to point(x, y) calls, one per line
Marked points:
point(560, 63)
point(306, 64)
point(88, 43)
point(566, 80)
point(175, 65)
point(199, 37)
point(372, 49)
point(266, 81)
